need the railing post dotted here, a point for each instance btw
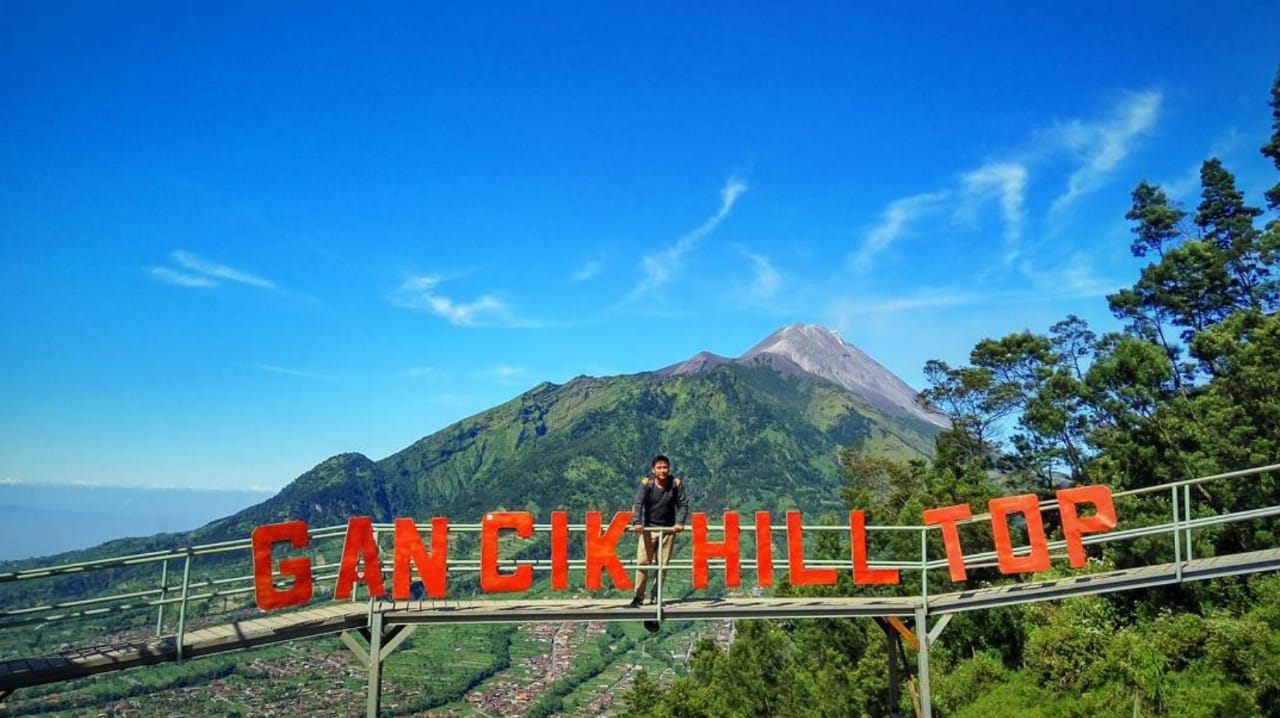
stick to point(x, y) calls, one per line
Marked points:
point(1177, 536)
point(182, 607)
point(662, 563)
point(924, 566)
point(1186, 518)
point(164, 581)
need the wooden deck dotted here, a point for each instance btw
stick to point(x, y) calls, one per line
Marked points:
point(338, 617)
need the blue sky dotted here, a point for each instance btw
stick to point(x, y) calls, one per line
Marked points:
point(235, 241)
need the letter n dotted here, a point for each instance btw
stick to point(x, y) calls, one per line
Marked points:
point(411, 551)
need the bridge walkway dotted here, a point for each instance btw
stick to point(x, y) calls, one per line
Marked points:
point(336, 618)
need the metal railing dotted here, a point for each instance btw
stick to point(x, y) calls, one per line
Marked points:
point(225, 580)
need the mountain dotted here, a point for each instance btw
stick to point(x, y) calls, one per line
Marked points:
point(759, 431)
point(823, 353)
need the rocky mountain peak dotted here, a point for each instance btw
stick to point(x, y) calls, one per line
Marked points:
point(816, 351)
point(824, 353)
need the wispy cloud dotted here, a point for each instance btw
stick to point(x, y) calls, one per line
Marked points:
point(766, 278)
point(1006, 181)
point(661, 266)
point(220, 271)
point(9, 481)
point(1185, 187)
point(920, 300)
point(1074, 278)
point(80, 483)
point(507, 374)
point(454, 401)
point(587, 271)
point(417, 371)
point(1102, 145)
point(301, 374)
point(896, 219)
point(487, 310)
point(1096, 147)
point(180, 279)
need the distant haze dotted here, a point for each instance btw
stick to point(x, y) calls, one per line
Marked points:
point(40, 520)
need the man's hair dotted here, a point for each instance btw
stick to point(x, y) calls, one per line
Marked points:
point(658, 458)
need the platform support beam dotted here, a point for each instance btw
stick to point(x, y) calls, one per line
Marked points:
point(374, 702)
point(381, 642)
point(922, 659)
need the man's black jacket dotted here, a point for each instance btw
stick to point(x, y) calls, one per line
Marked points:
point(661, 505)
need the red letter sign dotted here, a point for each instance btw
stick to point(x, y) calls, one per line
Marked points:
point(1074, 527)
point(491, 579)
point(801, 576)
point(268, 596)
point(559, 550)
point(410, 550)
point(704, 549)
point(948, 516)
point(359, 544)
point(863, 574)
point(602, 549)
point(764, 549)
point(1029, 506)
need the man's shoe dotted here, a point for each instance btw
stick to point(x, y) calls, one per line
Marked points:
point(637, 602)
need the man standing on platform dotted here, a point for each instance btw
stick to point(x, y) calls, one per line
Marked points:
point(661, 504)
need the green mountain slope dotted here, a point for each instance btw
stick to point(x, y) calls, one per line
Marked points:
point(745, 437)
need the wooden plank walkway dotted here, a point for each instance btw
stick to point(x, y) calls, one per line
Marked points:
point(338, 617)
point(91, 660)
point(1108, 582)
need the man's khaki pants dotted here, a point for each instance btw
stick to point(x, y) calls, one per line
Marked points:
point(647, 554)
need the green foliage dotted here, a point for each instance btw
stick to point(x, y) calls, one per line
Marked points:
point(1190, 387)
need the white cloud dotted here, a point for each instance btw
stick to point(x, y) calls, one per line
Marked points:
point(1185, 187)
point(1074, 278)
point(766, 277)
point(1096, 146)
point(661, 266)
point(896, 219)
point(273, 369)
point(842, 309)
point(417, 371)
point(180, 279)
point(455, 401)
point(220, 271)
point(1006, 181)
point(510, 375)
point(9, 481)
point(587, 271)
point(1102, 145)
point(487, 310)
